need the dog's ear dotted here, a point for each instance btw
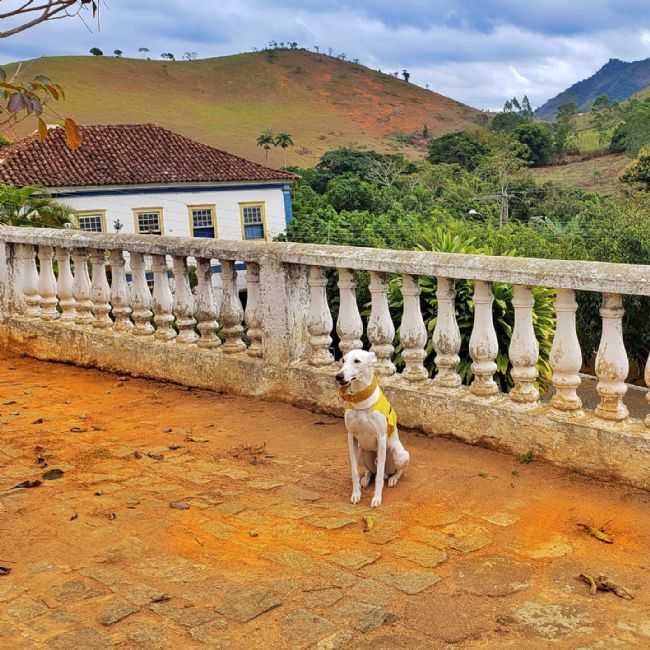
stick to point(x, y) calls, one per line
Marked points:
point(372, 358)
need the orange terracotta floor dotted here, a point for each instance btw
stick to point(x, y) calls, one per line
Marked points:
point(185, 518)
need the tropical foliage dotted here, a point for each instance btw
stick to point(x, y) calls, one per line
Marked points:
point(31, 206)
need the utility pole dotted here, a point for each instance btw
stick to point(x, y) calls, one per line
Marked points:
point(503, 216)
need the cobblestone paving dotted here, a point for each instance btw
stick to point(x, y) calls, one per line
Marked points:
point(173, 526)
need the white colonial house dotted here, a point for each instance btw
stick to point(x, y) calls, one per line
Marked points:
point(142, 178)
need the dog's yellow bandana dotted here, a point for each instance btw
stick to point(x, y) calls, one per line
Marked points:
point(382, 405)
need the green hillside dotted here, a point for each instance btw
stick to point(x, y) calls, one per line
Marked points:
point(227, 102)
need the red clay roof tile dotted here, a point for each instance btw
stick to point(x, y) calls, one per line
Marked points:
point(125, 154)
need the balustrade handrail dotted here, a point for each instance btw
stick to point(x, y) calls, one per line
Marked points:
point(606, 277)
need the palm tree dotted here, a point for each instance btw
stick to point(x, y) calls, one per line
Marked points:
point(266, 140)
point(31, 206)
point(284, 140)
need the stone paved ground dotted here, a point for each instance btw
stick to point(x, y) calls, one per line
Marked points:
point(473, 550)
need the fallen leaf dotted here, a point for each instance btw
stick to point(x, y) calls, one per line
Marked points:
point(179, 505)
point(38, 421)
point(78, 429)
point(52, 474)
point(155, 456)
point(193, 439)
point(75, 516)
point(603, 583)
point(161, 598)
point(4, 570)
point(598, 533)
point(28, 484)
point(368, 524)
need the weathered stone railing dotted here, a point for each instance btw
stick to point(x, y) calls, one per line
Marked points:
point(280, 345)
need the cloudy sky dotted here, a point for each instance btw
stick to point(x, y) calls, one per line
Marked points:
point(476, 51)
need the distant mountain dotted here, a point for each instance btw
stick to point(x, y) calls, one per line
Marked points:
point(617, 79)
point(228, 101)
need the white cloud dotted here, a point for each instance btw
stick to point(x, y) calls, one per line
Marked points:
point(478, 51)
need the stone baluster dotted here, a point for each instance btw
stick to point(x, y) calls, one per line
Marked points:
point(612, 365)
point(349, 325)
point(232, 312)
point(120, 293)
point(483, 342)
point(163, 301)
point(31, 300)
point(64, 286)
point(81, 287)
point(412, 331)
point(140, 296)
point(381, 330)
point(47, 284)
point(206, 307)
point(524, 349)
point(319, 322)
point(446, 336)
point(566, 357)
point(252, 315)
point(100, 292)
point(183, 303)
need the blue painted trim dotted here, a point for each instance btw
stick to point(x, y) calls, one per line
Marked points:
point(185, 189)
point(288, 206)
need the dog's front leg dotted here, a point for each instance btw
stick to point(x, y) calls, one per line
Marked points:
point(354, 469)
point(381, 466)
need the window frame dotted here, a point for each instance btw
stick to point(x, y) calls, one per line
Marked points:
point(203, 206)
point(136, 221)
point(91, 213)
point(265, 225)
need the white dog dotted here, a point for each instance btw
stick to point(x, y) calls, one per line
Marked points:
point(371, 423)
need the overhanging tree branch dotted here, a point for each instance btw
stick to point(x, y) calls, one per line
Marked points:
point(34, 12)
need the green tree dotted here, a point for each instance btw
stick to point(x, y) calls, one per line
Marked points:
point(538, 140)
point(462, 148)
point(118, 53)
point(31, 206)
point(284, 141)
point(349, 192)
point(508, 121)
point(638, 171)
point(266, 140)
point(95, 51)
point(563, 127)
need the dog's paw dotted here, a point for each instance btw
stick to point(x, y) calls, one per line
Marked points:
point(356, 496)
point(393, 481)
point(365, 481)
point(376, 501)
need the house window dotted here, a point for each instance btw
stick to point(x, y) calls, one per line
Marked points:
point(91, 222)
point(253, 222)
point(148, 221)
point(202, 221)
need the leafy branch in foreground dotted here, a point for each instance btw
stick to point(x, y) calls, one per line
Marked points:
point(22, 100)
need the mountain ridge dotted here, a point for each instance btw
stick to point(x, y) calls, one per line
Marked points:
point(617, 79)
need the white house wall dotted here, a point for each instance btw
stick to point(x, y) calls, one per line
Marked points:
point(119, 204)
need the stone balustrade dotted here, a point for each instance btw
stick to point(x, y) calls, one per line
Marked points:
point(66, 295)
